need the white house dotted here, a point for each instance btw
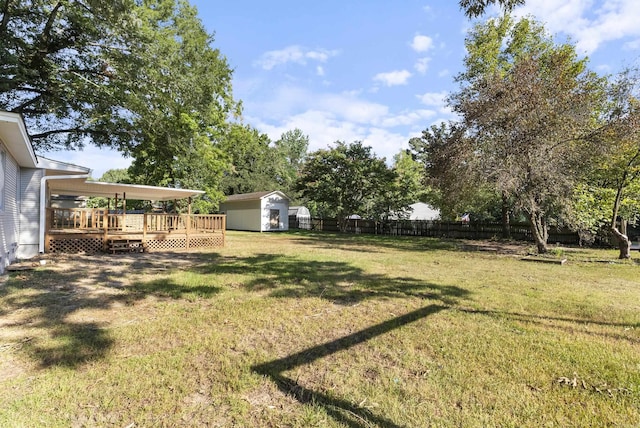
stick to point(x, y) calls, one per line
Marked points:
point(258, 212)
point(21, 176)
point(422, 211)
point(28, 183)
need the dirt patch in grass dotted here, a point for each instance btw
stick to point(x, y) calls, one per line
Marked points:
point(75, 297)
point(513, 248)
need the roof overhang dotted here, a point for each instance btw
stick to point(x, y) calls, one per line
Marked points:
point(54, 167)
point(82, 187)
point(14, 135)
point(255, 196)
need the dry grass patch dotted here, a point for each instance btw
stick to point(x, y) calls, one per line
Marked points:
point(323, 330)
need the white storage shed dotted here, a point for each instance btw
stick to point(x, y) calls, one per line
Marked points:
point(258, 212)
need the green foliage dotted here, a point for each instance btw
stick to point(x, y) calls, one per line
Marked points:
point(290, 152)
point(253, 159)
point(61, 68)
point(476, 8)
point(527, 106)
point(138, 76)
point(454, 182)
point(349, 179)
point(613, 190)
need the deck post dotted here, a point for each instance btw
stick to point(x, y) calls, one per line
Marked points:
point(105, 225)
point(124, 212)
point(188, 225)
point(144, 229)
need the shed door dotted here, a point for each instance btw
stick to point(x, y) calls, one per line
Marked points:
point(274, 219)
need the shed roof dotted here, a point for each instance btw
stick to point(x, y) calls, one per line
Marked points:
point(255, 196)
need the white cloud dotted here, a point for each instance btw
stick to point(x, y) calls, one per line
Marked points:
point(293, 54)
point(421, 43)
point(435, 99)
point(589, 23)
point(324, 129)
point(393, 78)
point(320, 70)
point(344, 116)
point(408, 118)
point(422, 65)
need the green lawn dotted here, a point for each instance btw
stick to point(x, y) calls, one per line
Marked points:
point(303, 330)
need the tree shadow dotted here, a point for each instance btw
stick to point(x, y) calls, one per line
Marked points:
point(340, 409)
point(371, 243)
point(340, 282)
point(50, 300)
point(566, 324)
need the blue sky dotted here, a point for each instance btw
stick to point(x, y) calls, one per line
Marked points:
point(375, 71)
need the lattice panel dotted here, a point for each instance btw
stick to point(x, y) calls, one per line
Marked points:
point(211, 241)
point(166, 244)
point(75, 245)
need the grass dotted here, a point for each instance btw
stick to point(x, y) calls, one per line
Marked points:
point(303, 330)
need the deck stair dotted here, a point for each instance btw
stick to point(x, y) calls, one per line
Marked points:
point(126, 245)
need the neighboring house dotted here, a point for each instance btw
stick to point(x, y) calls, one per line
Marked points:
point(258, 212)
point(422, 211)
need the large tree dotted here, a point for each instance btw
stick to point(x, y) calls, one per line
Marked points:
point(346, 179)
point(527, 104)
point(475, 8)
point(253, 161)
point(452, 172)
point(611, 196)
point(121, 74)
point(290, 154)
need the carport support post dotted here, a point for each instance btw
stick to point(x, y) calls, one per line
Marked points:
point(188, 221)
point(105, 224)
point(124, 212)
point(144, 229)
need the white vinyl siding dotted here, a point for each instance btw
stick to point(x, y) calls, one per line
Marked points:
point(275, 203)
point(10, 211)
point(256, 214)
point(30, 180)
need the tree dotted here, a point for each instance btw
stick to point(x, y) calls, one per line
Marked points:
point(112, 73)
point(411, 178)
point(527, 105)
point(475, 8)
point(614, 183)
point(253, 161)
point(451, 171)
point(344, 180)
point(290, 152)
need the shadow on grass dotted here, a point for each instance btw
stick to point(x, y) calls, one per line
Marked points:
point(370, 243)
point(340, 282)
point(561, 323)
point(340, 409)
point(49, 301)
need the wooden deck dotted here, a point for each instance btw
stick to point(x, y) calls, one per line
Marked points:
point(95, 230)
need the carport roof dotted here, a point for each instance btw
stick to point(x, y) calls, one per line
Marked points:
point(82, 187)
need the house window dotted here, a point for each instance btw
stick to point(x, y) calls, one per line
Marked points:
point(274, 219)
point(3, 171)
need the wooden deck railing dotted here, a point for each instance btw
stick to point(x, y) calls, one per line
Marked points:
point(95, 219)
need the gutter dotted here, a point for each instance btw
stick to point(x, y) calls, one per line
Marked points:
point(43, 203)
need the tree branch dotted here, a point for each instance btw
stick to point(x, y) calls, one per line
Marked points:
point(5, 17)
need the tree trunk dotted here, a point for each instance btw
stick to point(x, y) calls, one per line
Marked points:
point(506, 227)
point(539, 231)
point(624, 243)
